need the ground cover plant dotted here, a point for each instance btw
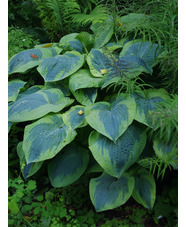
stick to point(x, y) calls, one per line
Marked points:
point(90, 107)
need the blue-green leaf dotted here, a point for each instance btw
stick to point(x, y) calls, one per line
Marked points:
point(25, 60)
point(44, 138)
point(98, 62)
point(83, 86)
point(61, 66)
point(107, 192)
point(62, 85)
point(117, 157)
point(27, 169)
point(38, 104)
point(69, 42)
point(145, 53)
point(14, 87)
point(75, 117)
point(68, 165)
point(112, 119)
point(145, 188)
point(146, 103)
point(168, 153)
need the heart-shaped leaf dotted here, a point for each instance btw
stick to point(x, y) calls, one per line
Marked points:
point(107, 192)
point(68, 165)
point(83, 86)
point(117, 157)
point(112, 119)
point(27, 169)
point(28, 59)
point(59, 67)
point(14, 87)
point(146, 54)
point(38, 104)
point(145, 188)
point(147, 103)
point(168, 153)
point(69, 42)
point(44, 138)
point(75, 117)
point(97, 61)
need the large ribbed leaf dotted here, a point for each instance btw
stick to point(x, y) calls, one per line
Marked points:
point(75, 117)
point(28, 59)
point(145, 188)
point(69, 42)
point(98, 61)
point(44, 138)
point(14, 87)
point(107, 192)
point(146, 54)
point(83, 86)
point(147, 103)
point(68, 165)
point(112, 119)
point(117, 157)
point(62, 85)
point(38, 104)
point(27, 169)
point(168, 153)
point(59, 67)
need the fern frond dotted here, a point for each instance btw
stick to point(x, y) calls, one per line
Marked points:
point(98, 14)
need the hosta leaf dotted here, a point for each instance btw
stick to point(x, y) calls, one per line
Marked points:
point(27, 169)
point(85, 38)
point(30, 91)
point(112, 119)
point(85, 96)
point(117, 157)
point(145, 188)
point(168, 153)
point(104, 36)
point(133, 20)
point(113, 46)
point(75, 117)
point(14, 87)
point(145, 104)
point(69, 42)
point(145, 52)
point(38, 104)
point(62, 85)
point(107, 192)
point(60, 67)
point(83, 79)
point(68, 165)
point(23, 61)
point(97, 61)
point(44, 138)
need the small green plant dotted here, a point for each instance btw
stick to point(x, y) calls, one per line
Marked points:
point(76, 125)
point(18, 41)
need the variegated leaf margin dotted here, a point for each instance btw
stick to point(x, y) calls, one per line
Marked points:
point(61, 66)
point(28, 59)
point(107, 192)
point(38, 104)
point(115, 158)
point(44, 138)
point(145, 188)
point(68, 165)
point(27, 169)
point(112, 119)
point(145, 103)
point(14, 87)
point(75, 117)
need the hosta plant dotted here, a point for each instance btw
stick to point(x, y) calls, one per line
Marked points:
point(76, 125)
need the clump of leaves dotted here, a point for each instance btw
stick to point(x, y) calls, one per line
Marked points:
point(18, 41)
